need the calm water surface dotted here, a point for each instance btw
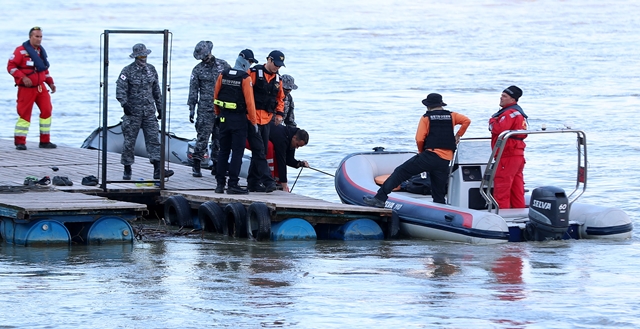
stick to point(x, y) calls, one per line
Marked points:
point(362, 68)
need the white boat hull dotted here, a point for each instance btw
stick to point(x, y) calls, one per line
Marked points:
point(421, 218)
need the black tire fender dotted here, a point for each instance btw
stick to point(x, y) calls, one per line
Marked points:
point(212, 218)
point(235, 217)
point(393, 226)
point(258, 221)
point(177, 211)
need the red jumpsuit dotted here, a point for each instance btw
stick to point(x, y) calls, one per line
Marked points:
point(19, 66)
point(508, 185)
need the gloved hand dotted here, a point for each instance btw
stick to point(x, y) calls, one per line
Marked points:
point(127, 109)
point(256, 126)
point(159, 115)
point(192, 113)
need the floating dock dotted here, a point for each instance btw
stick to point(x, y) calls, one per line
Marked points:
point(266, 216)
point(46, 216)
point(185, 201)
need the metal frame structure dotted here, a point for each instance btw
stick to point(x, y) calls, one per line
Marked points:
point(105, 96)
point(490, 171)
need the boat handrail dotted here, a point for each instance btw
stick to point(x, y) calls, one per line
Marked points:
point(496, 154)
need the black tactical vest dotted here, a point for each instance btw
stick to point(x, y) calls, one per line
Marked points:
point(440, 131)
point(231, 91)
point(265, 93)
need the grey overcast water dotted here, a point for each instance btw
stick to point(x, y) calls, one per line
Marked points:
point(362, 67)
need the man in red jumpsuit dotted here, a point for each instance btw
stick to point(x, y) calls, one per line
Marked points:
point(508, 185)
point(30, 68)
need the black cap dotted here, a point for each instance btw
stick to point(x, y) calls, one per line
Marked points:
point(277, 57)
point(514, 92)
point(248, 55)
point(433, 100)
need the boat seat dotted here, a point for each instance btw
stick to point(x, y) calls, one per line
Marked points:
point(382, 178)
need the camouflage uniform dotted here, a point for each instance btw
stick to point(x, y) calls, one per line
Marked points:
point(288, 83)
point(289, 117)
point(138, 87)
point(203, 81)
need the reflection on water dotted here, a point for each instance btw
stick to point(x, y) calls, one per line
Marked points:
point(440, 267)
point(508, 277)
point(52, 255)
point(226, 280)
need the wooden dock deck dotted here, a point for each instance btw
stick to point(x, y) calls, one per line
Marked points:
point(76, 163)
point(45, 202)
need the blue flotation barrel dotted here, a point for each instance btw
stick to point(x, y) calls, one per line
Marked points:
point(109, 229)
point(44, 231)
point(358, 229)
point(292, 229)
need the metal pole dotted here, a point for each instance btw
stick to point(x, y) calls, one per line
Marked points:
point(105, 95)
point(105, 112)
point(163, 127)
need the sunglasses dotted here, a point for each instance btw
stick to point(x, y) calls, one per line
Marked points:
point(35, 28)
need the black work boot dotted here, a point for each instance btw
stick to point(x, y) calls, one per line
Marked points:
point(126, 175)
point(220, 188)
point(156, 171)
point(196, 168)
point(373, 201)
point(235, 189)
point(47, 145)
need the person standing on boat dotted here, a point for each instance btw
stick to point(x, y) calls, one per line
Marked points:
point(30, 68)
point(508, 184)
point(234, 105)
point(269, 96)
point(201, 85)
point(436, 142)
point(286, 140)
point(138, 91)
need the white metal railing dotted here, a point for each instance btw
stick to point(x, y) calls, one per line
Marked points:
point(498, 149)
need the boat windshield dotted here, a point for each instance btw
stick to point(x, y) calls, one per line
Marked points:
point(473, 150)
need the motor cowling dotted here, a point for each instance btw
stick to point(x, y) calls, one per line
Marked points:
point(548, 214)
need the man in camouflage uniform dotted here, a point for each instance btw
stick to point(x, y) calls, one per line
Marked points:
point(203, 80)
point(288, 84)
point(138, 91)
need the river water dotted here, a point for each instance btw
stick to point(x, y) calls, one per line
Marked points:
point(362, 67)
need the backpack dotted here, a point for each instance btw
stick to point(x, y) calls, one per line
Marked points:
point(418, 184)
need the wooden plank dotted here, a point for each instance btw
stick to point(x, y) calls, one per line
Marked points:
point(57, 201)
point(77, 163)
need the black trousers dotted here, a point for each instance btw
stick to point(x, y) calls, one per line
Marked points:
point(437, 167)
point(232, 137)
point(259, 168)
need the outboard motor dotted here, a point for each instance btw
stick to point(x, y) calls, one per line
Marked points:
point(548, 214)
